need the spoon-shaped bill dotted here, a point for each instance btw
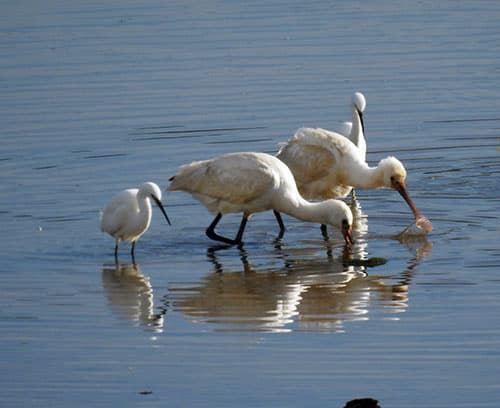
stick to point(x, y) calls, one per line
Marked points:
point(423, 223)
point(347, 233)
point(420, 219)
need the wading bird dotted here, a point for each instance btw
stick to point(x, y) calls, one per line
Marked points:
point(326, 164)
point(250, 183)
point(355, 130)
point(128, 214)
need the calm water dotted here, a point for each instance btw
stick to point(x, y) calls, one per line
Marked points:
point(97, 97)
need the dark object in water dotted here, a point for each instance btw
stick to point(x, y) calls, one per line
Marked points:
point(145, 392)
point(362, 403)
point(369, 263)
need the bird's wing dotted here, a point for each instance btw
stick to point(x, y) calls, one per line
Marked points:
point(307, 162)
point(339, 145)
point(115, 214)
point(235, 178)
point(313, 153)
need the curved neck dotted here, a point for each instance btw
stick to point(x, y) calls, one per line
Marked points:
point(302, 209)
point(360, 175)
point(357, 125)
point(357, 134)
point(144, 203)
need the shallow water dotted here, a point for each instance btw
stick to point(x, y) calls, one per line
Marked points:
point(101, 97)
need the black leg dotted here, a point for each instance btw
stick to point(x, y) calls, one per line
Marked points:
point(210, 231)
point(280, 222)
point(324, 232)
point(116, 251)
point(132, 251)
point(243, 224)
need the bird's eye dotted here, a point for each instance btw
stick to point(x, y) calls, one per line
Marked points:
point(345, 223)
point(392, 178)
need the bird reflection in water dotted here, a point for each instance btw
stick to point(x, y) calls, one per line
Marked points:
point(308, 293)
point(130, 295)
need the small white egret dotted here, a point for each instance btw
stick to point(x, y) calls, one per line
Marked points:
point(254, 182)
point(128, 214)
point(355, 130)
point(327, 165)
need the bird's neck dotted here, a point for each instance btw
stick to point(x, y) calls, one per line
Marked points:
point(145, 206)
point(304, 210)
point(360, 175)
point(357, 126)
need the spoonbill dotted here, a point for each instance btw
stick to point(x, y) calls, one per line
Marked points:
point(128, 214)
point(327, 165)
point(253, 182)
point(355, 130)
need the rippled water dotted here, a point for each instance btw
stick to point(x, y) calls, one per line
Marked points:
point(97, 97)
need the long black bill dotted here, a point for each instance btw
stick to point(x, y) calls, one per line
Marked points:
point(160, 205)
point(362, 122)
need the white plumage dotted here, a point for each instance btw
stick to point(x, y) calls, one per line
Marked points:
point(254, 182)
point(355, 130)
point(128, 215)
point(326, 164)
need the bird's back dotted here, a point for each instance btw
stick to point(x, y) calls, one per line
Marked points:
point(317, 159)
point(229, 182)
point(337, 144)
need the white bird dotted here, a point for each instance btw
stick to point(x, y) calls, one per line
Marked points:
point(128, 214)
point(250, 183)
point(355, 130)
point(327, 165)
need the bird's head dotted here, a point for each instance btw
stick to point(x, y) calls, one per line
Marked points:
point(394, 174)
point(152, 191)
point(339, 215)
point(359, 101)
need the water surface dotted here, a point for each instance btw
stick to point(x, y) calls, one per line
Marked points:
point(101, 97)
